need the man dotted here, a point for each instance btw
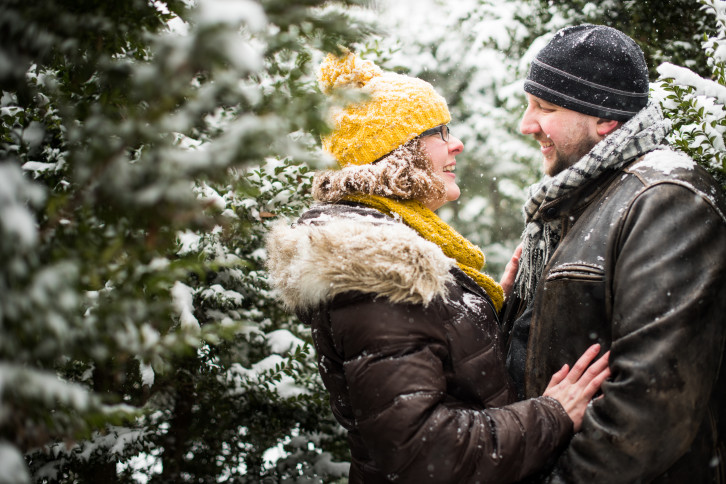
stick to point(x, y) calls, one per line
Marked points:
point(625, 245)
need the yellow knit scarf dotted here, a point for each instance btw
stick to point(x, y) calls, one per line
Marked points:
point(468, 256)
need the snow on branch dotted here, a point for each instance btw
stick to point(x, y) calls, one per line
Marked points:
point(686, 77)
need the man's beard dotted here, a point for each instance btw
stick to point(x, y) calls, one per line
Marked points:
point(564, 161)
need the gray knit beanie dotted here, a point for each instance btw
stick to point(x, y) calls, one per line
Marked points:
point(591, 69)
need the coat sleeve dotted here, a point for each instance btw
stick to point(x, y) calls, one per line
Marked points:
point(394, 364)
point(667, 338)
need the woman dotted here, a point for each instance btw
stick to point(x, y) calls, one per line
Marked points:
point(404, 323)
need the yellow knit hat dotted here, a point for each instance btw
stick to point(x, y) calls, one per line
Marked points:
point(399, 109)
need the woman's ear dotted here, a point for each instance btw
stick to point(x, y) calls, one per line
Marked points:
point(607, 126)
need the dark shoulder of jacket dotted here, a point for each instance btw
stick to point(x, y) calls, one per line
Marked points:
point(339, 300)
point(351, 298)
point(467, 283)
point(667, 166)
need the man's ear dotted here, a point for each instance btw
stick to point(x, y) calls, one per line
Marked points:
point(606, 126)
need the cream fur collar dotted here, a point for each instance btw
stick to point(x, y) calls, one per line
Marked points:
point(335, 249)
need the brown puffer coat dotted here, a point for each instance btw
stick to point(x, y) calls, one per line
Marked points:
point(409, 349)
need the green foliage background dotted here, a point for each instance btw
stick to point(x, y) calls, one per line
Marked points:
point(141, 167)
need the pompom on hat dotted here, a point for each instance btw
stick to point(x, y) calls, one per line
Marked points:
point(591, 69)
point(399, 109)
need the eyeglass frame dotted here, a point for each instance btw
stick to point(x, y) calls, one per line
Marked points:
point(440, 131)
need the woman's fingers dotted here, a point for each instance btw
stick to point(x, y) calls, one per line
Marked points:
point(599, 372)
point(594, 385)
point(600, 364)
point(575, 388)
point(583, 363)
point(559, 376)
point(510, 271)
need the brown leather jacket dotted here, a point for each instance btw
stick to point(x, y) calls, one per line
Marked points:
point(410, 350)
point(641, 268)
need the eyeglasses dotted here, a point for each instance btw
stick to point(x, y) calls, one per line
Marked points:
point(442, 130)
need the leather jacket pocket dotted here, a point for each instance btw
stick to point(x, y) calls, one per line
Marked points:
point(570, 315)
point(574, 297)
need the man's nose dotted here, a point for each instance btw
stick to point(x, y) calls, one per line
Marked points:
point(529, 123)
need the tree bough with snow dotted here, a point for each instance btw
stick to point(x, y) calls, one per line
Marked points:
point(697, 106)
point(137, 340)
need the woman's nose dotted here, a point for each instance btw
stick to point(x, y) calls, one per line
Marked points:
point(455, 145)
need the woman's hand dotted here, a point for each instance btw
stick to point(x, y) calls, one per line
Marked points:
point(574, 388)
point(510, 272)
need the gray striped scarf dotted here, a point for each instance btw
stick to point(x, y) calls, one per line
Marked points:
point(641, 134)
